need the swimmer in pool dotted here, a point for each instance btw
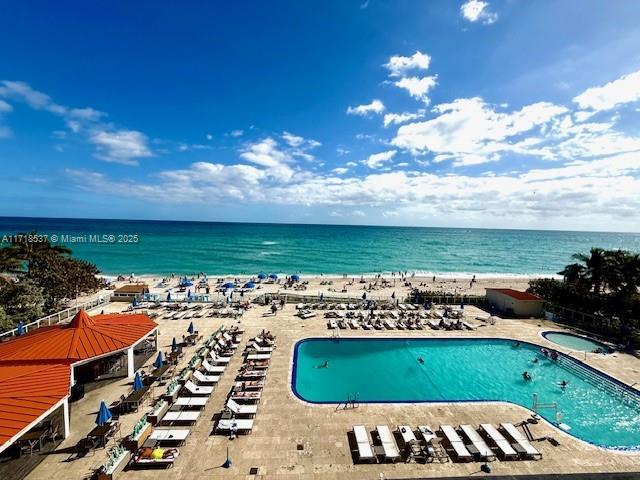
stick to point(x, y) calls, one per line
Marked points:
point(526, 375)
point(323, 365)
point(563, 384)
point(421, 360)
point(535, 360)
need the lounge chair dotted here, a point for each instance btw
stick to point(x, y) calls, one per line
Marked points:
point(241, 410)
point(365, 450)
point(238, 425)
point(205, 379)
point(252, 375)
point(410, 443)
point(259, 349)
point(456, 443)
point(484, 452)
point(258, 356)
point(196, 390)
point(526, 449)
point(433, 447)
point(506, 450)
point(333, 324)
point(389, 446)
point(179, 416)
point(212, 368)
point(218, 360)
point(144, 457)
point(246, 396)
point(191, 402)
point(171, 436)
point(244, 385)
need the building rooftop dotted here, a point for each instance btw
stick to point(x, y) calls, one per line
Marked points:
point(518, 295)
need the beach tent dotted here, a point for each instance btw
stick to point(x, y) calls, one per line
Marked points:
point(295, 277)
point(249, 285)
point(262, 275)
point(174, 345)
point(104, 414)
point(137, 382)
point(158, 363)
point(190, 328)
point(273, 276)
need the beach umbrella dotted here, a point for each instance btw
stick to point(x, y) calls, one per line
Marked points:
point(137, 382)
point(190, 328)
point(364, 296)
point(20, 328)
point(262, 275)
point(228, 285)
point(189, 293)
point(493, 310)
point(158, 363)
point(169, 297)
point(295, 277)
point(273, 276)
point(249, 285)
point(462, 304)
point(135, 301)
point(187, 284)
point(174, 345)
point(104, 415)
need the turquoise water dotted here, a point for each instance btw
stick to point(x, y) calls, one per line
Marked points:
point(574, 342)
point(241, 248)
point(387, 370)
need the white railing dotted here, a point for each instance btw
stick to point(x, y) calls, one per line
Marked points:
point(60, 316)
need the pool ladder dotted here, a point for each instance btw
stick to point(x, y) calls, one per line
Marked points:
point(352, 402)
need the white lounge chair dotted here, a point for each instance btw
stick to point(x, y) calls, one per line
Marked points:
point(205, 379)
point(259, 348)
point(179, 416)
point(196, 390)
point(484, 451)
point(527, 449)
point(219, 360)
point(258, 356)
point(212, 368)
point(496, 437)
point(456, 443)
point(241, 410)
point(389, 446)
point(191, 402)
point(365, 450)
point(333, 324)
point(237, 424)
point(173, 436)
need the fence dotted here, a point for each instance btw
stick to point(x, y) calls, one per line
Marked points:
point(59, 317)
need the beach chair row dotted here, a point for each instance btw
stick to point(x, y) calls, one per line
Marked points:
point(401, 324)
point(241, 406)
point(462, 444)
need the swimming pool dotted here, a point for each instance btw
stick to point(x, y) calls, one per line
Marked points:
point(575, 342)
point(598, 409)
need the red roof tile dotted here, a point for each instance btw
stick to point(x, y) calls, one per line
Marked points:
point(85, 337)
point(518, 295)
point(26, 392)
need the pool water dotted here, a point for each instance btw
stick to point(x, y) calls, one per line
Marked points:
point(388, 370)
point(575, 342)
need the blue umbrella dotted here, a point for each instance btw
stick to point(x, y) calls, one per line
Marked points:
point(190, 328)
point(137, 382)
point(462, 304)
point(228, 285)
point(169, 297)
point(189, 293)
point(249, 285)
point(158, 363)
point(273, 276)
point(104, 415)
point(295, 277)
point(135, 301)
point(262, 275)
point(20, 328)
point(174, 345)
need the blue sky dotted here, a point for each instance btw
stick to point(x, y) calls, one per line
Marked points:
point(445, 113)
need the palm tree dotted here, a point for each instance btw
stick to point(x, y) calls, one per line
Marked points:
point(596, 266)
point(573, 273)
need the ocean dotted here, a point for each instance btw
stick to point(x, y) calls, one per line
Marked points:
point(163, 247)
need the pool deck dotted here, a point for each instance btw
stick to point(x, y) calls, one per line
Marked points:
point(284, 423)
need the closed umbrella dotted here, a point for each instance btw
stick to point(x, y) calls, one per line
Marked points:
point(174, 345)
point(137, 382)
point(104, 414)
point(135, 301)
point(158, 363)
point(190, 328)
point(189, 293)
point(20, 328)
point(169, 297)
point(462, 304)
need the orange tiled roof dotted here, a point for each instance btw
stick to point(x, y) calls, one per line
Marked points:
point(85, 337)
point(26, 392)
point(518, 295)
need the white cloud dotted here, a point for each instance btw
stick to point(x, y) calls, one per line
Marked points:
point(418, 87)
point(340, 170)
point(5, 107)
point(478, 11)
point(120, 146)
point(469, 131)
point(351, 164)
point(376, 106)
point(236, 133)
point(342, 151)
point(399, 66)
point(209, 136)
point(625, 89)
point(376, 160)
point(398, 118)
